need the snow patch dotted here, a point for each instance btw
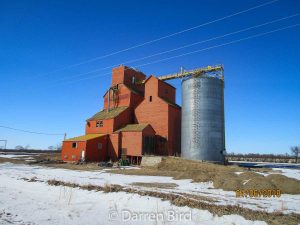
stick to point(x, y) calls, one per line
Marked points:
point(238, 173)
point(9, 156)
point(292, 173)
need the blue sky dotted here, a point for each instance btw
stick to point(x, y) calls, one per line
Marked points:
point(262, 78)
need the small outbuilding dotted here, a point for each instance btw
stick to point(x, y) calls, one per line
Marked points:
point(89, 147)
point(137, 140)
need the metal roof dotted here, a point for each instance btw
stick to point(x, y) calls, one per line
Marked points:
point(104, 114)
point(133, 127)
point(85, 137)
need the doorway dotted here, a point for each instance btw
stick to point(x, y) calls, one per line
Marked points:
point(82, 155)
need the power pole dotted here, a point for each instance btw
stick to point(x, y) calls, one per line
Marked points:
point(5, 143)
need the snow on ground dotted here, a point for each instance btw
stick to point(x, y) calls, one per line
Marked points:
point(290, 203)
point(26, 157)
point(23, 202)
point(292, 173)
point(10, 156)
point(264, 163)
point(29, 159)
point(238, 173)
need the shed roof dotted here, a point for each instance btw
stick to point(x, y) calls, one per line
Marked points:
point(104, 114)
point(85, 137)
point(133, 127)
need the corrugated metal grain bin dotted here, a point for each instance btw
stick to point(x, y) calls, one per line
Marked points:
point(202, 126)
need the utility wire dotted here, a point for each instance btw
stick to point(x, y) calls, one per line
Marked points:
point(182, 47)
point(163, 37)
point(27, 131)
point(197, 51)
point(224, 44)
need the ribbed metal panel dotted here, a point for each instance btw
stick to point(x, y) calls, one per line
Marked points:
point(202, 127)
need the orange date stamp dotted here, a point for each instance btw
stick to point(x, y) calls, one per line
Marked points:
point(256, 193)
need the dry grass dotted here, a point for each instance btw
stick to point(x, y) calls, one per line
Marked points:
point(155, 185)
point(15, 161)
point(107, 188)
point(73, 166)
